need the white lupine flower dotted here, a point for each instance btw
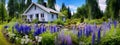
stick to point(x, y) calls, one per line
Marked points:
point(16, 38)
point(27, 40)
point(22, 41)
point(12, 34)
point(26, 36)
point(8, 33)
point(36, 37)
point(40, 38)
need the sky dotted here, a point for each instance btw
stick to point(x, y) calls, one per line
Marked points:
point(74, 4)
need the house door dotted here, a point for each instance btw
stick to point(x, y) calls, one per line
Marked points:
point(42, 17)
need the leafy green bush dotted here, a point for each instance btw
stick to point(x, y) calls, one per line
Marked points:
point(59, 22)
point(48, 38)
point(111, 38)
point(97, 21)
point(35, 21)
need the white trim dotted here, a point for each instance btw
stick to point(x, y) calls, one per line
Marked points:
point(42, 7)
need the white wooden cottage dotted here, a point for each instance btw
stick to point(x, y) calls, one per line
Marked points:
point(40, 12)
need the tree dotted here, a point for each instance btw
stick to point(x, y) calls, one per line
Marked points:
point(63, 7)
point(112, 10)
point(81, 12)
point(64, 10)
point(51, 4)
point(94, 9)
point(40, 1)
point(13, 7)
point(28, 2)
point(3, 12)
point(22, 6)
point(69, 13)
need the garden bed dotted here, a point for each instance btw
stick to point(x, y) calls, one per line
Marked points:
point(89, 34)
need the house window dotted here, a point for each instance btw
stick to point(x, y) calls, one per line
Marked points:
point(35, 7)
point(37, 16)
point(57, 16)
point(42, 15)
point(31, 17)
point(52, 16)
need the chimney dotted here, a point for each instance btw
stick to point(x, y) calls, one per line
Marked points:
point(44, 4)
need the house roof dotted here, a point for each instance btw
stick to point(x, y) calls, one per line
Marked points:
point(49, 10)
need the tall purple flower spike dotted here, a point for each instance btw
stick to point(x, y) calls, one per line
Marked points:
point(68, 40)
point(115, 23)
point(99, 34)
point(79, 33)
point(93, 39)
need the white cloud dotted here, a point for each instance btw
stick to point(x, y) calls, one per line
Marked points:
point(73, 8)
point(6, 6)
point(102, 4)
point(57, 7)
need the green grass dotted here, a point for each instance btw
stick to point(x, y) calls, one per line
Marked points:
point(3, 41)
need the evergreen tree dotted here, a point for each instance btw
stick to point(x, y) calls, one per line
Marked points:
point(63, 7)
point(28, 3)
point(69, 13)
point(113, 9)
point(81, 12)
point(95, 11)
point(3, 12)
point(22, 6)
point(51, 4)
point(40, 1)
point(64, 10)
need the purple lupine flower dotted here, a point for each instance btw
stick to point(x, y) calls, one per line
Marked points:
point(85, 30)
point(109, 25)
point(68, 40)
point(55, 29)
point(93, 39)
point(73, 27)
point(37, 32)
point(80, 33)
point(99, 35)
point(44, 29)
point(115, 23)
point(51, 29)
point(89, 29)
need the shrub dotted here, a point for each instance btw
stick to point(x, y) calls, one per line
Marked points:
point(48, 38)
point(35, 21)
point(59, 22)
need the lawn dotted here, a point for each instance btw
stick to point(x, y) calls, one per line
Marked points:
point(3, 41)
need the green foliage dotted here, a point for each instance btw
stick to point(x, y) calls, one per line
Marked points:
point(94, 9)
point(81, 12)
point(40, 1)
point(97, 21)
point(112, 10)
point(35, 21)
point(48, 38)
point(51, 4)
point(3, 12)
point(111, 37)
point(28, 3)
point(73, 21)
point(59, 22)
point(66, 11)
point(69, 13)
point(74, 39)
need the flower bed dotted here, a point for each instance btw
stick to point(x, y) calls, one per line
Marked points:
point(53, 35)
